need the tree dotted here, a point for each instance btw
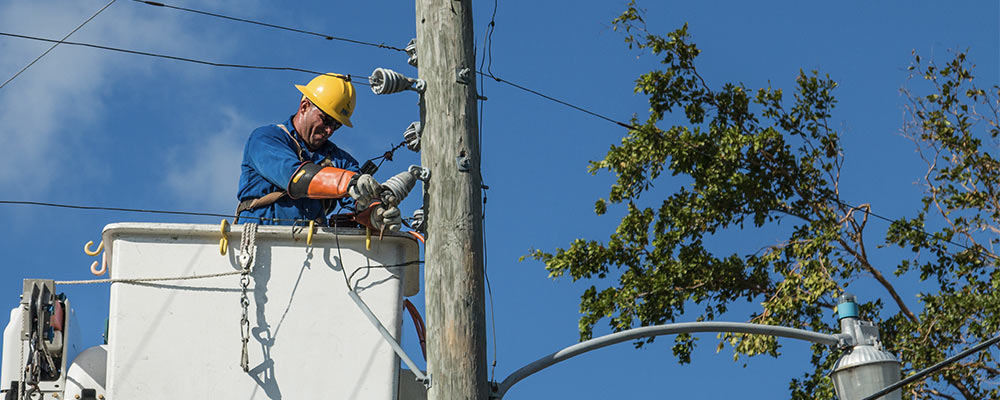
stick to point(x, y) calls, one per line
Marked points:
point(756, 160)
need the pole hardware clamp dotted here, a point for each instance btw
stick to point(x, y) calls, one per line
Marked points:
point(412, 135)
point(464, 162)
point(419, 222)
point(422, 173)
point(463, 75)
point(411, 51)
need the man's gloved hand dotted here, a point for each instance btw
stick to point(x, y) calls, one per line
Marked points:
point(386, 218)
point(364, 189)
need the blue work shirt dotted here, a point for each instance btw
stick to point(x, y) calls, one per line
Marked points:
point(269, 160)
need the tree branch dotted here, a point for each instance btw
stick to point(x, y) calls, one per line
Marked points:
point(881, 279)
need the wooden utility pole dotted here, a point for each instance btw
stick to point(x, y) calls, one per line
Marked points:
point(456, 323)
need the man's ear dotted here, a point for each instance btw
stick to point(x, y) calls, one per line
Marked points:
point(303, 105)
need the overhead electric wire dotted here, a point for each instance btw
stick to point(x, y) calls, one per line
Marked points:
point(920, 375)
point(102, 208)
point(350, 77)
point(629, 126)
point(57, 43)
point(578, 108)
point(925, 233)
point(190, 60)
point(322, 35)
point(143, 211)
point(488, 50)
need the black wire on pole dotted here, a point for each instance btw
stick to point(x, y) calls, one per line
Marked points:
point(920, 375)
point(136, 210)
point(322, 35)
point(57, 43)
point(150, 211)
point(348, 77)
point(387, 156)
point(925, 233)
point(578, 108)
point(629, 126)
point(487, 54)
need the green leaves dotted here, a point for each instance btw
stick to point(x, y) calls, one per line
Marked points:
point(761, 159)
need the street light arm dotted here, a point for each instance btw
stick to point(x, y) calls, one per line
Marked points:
point(659, 330)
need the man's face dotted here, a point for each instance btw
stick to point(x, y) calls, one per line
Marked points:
point(317, 127)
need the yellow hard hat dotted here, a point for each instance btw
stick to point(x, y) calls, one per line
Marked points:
point(333, 94)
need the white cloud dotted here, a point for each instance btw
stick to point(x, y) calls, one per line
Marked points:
point(205, 174)
point(51, 111)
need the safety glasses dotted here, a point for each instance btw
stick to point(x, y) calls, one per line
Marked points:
point(328, 120)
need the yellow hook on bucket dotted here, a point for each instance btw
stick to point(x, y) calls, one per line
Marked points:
point(224, 242)
point(104, 258)
point(309, 237)
point(86, 248)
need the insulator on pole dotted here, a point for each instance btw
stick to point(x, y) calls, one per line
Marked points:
point(411, 50)
point(387, 81)
point(396, 188)
point(412, 135)
point(418, 223)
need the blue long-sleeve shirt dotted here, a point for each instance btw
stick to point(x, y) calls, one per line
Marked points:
point(269, 160)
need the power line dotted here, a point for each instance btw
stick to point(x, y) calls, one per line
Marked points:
point(920, 375)
point(102, 208)
point(487, 53)
point(285, 28)
point(147, 211)
point(629, 126)
point(349, 77)
point(925, 233)
point(322, 35)
point(57, 43)
point(578, 108)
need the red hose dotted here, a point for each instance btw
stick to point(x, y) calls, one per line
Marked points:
point(416, 235)
point(418, 324)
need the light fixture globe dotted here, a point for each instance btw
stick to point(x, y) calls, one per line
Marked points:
point(864, 370)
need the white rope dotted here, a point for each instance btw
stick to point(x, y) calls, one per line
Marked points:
point(141, 280)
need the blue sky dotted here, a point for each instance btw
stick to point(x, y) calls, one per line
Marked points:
point(91, 127)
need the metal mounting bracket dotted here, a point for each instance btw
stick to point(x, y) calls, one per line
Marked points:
point(463, 75)
point(464, 162)
point(420, 172)
point(419, 86)
point(411, 51)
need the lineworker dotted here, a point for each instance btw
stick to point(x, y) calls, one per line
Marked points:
point(292, 171)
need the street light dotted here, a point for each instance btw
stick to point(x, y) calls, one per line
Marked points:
point(865, 368)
